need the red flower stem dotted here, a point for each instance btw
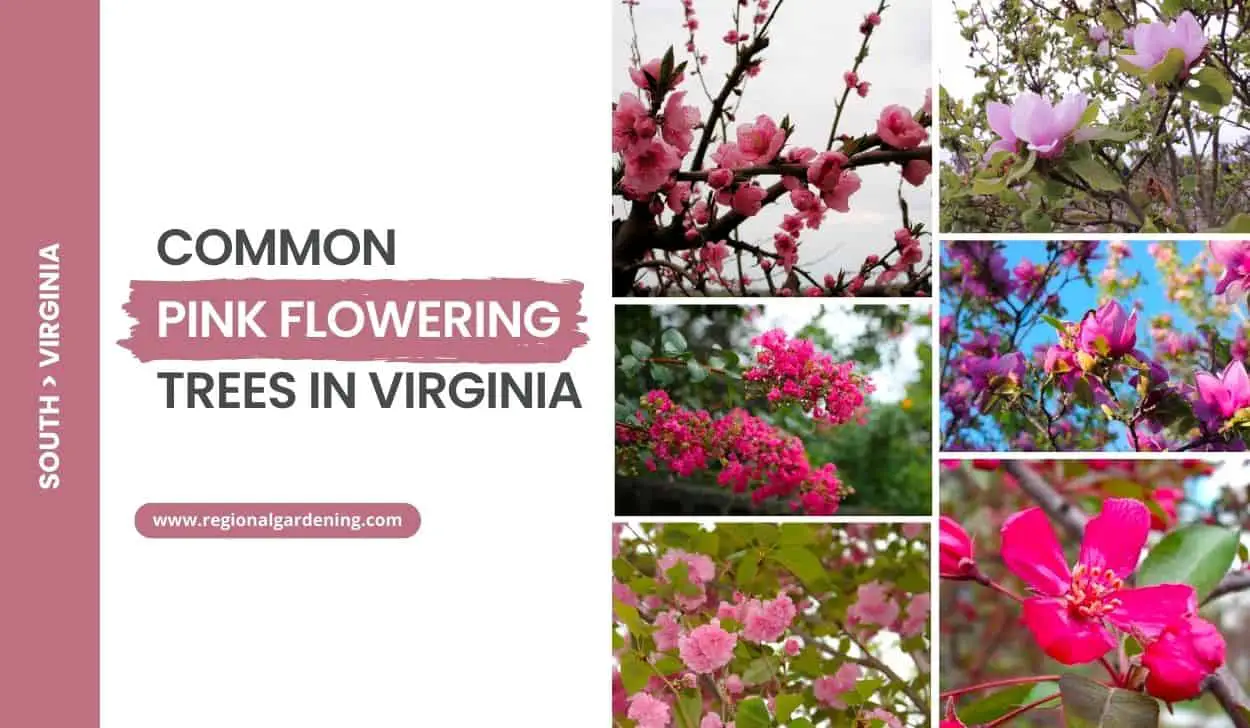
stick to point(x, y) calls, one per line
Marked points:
point(1115, 676)
point(1020, 711)
point(984, 580)
point(998, 684)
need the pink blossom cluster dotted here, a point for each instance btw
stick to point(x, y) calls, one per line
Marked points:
point(652, 139)
point(791, 370)
point(752, 454)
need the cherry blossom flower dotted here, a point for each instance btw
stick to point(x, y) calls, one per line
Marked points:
point(707, 648)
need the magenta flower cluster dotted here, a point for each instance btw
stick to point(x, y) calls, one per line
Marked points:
point(791, 370)
point(753, 456)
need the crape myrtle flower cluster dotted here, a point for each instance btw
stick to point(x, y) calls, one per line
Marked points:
point(749, 454)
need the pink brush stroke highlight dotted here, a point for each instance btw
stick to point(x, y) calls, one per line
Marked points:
point(147, 345)
point(50, 191)
point(277, 520)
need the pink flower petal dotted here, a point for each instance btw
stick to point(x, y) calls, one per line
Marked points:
point(1032, 553)
point(1114, 538)
point(1149, 609)
point(1062, 637)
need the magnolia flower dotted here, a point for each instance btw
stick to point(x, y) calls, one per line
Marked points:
point(1220, 396)
point(1033, 120)
point(1152, 41)
point(1070, 614)
point(1108, 331)
point(1234, 255)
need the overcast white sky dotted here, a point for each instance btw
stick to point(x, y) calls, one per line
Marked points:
point(813, 43)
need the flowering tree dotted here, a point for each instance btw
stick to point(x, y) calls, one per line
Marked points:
point(1095, 380)
point(761, 416)
point(1100, 633)
point(1100, 115)
point(758, 625)
point(687, 180)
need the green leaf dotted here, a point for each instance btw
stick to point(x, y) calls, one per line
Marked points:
point(1207, 98)
point(1093, 172)
point(801, 723)
point(690, 708)
point(797, 534)
point(761, 670)
point(1198, 555)
point(630, 365)
point(865, 688)
point(1106, 133)
point(669, 665)
point(1055, 323)
point(672, 342)
point(697, 371)
point(1022, 167)
point(786, 703)
point(1090, 115)
point(752, 713)
point(1239, 224)
point(1172, 8)
point(1215, 81)
point(1036, 221)
point(1166, 71)
point(803, 564)
point(639, 349)
point(748, 567)
point(995, 705)
point(634, 673)
point(1087, 704)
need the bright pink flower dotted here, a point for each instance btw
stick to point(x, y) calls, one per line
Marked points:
point(1152, 41)
point(839, 198)
point(830, 689)
point(1070, 614)
point(898, 128)
point(733, 685)
point(1183, 656)
point(679, 123)
point(1108, 331)
point(873, 605)
point(792, 647)
point(917, 616)
point(648, 712)
point(711, 720)
point(749, 199)
point(916, 171)
point(767, 621)
point(761, 142)
point(862, 89)
point(1167, 500)
point(1234, 255)
point(720, 178)
point(825, 169)
point(852, 80)
point(652, 68)
point(707, 648)
point(668, 630)
point(873, 19)
point(625, 117)
point(648, 165)
point(713, 256)
point(1222, 396)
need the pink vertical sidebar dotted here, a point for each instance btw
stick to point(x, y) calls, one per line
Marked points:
point(49, 364)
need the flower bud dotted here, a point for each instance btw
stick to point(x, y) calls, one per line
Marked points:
point(1181, 658)
point(956, 557)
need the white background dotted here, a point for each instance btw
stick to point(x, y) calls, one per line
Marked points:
point(471, 129)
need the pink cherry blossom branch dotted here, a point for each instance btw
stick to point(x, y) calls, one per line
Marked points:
point(846, 91)
point(745, 59)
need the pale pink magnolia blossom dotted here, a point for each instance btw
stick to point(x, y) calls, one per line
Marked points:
point(1043, 127)
point(1153, 41)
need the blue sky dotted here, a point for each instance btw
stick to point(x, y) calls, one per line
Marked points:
point(1079, 297)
